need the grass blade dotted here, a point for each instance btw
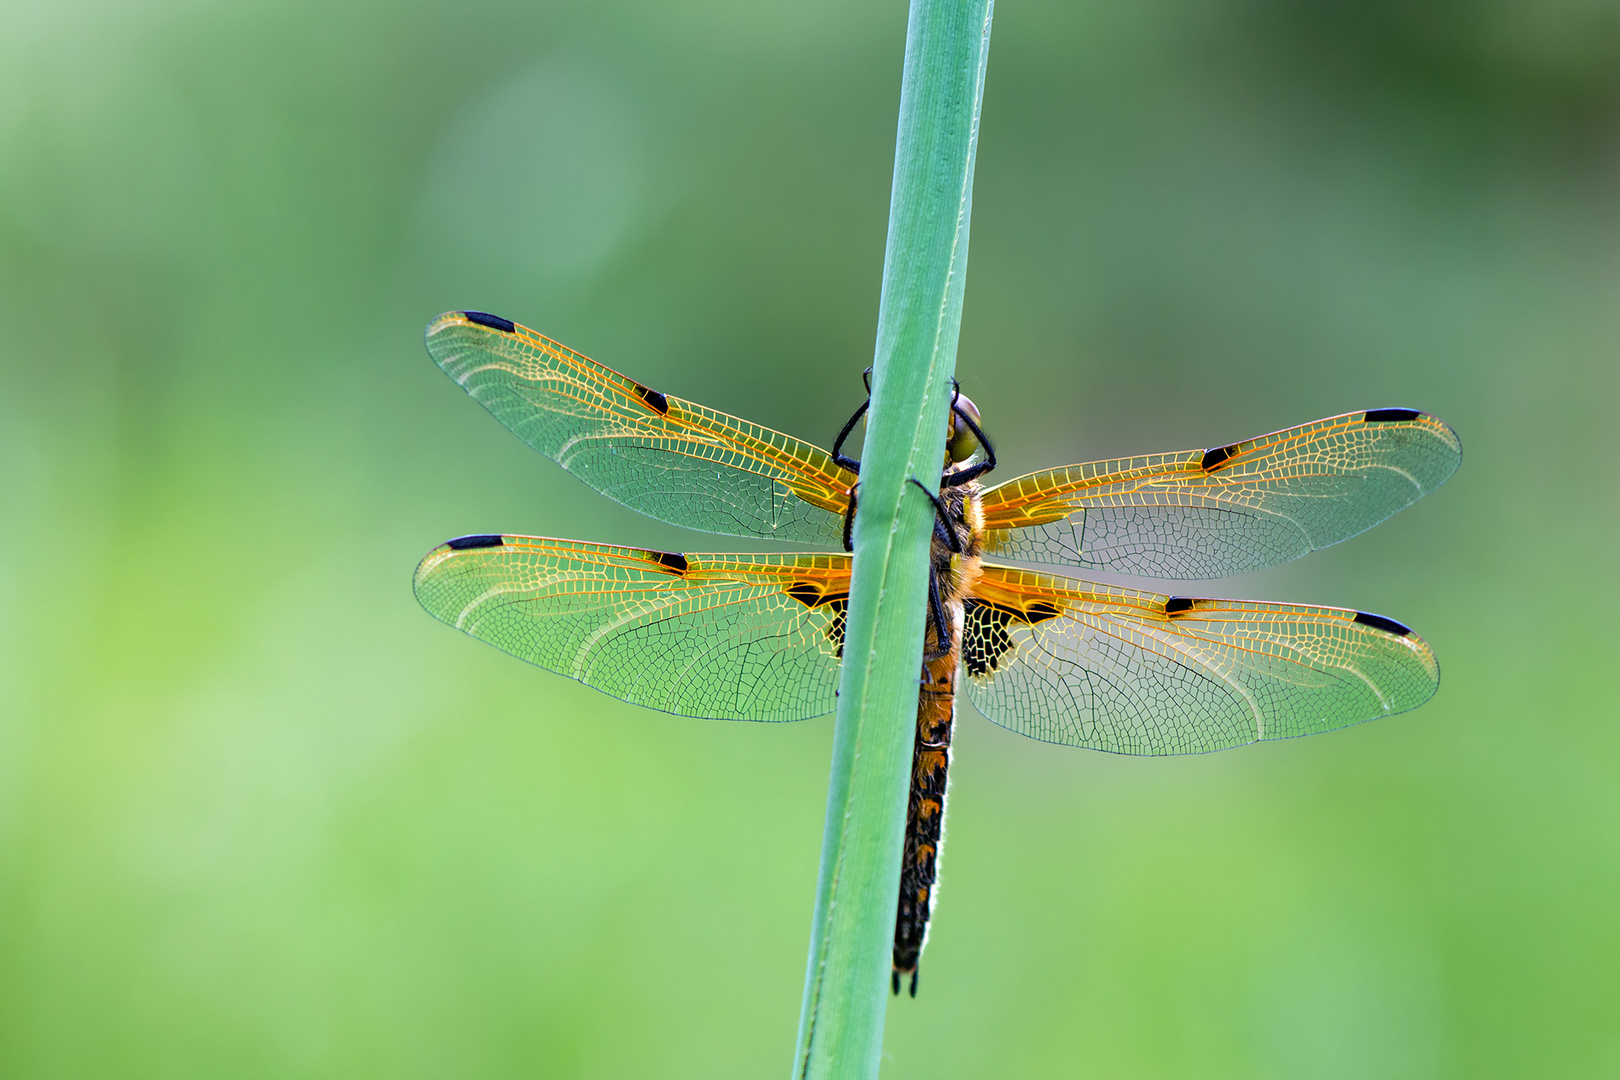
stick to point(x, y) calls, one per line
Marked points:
point(919, 316)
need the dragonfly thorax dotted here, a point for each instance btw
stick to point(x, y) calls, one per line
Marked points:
point(958, 570)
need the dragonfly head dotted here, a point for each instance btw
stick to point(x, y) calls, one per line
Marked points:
point(960, 442)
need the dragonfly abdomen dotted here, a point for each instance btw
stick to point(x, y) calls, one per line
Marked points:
point(954, 574)
point(925, 810)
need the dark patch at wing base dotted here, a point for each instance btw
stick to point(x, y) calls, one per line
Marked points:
point(494, 322)
point(812, 597)
point(985, 640)
point(1390, 416)
point(1378, 622)
point(839, 604)
point(463, 543)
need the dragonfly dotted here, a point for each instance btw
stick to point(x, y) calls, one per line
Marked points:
point(1057, 658)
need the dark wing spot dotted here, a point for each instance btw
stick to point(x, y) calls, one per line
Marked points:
point(462, 543)
point(1213, 459)
point(1177, 604)
point(1390, 416)
point(494, 322)
point(1378, 622)
point(673, 561)
point(657, 402)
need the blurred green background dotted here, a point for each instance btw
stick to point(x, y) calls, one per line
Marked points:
point(260, 816)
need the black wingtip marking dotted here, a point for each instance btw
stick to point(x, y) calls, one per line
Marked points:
point(1177, 604)
point(494, 322)
point(463, 543)
point(673, 561)
point(1378, 622)
point(1213, 459)
point(1390, 416)
point(657, 402)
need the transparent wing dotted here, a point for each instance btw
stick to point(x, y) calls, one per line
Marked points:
point(726, 637)
point(1132, 672)
point(658, 454)
point(1213, 513)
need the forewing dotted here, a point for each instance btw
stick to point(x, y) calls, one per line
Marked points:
point(1228, 510)
point(658, 454)
point(1132, 672)
point(729, 637)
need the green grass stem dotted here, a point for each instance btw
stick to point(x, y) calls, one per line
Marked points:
point(919, 316)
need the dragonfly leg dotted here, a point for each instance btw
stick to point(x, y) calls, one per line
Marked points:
point(936, 605)
point(838, 456)
point(894, 981)
point(913, 982)
point(942, 528)
point(936, 614)
point(849, 520)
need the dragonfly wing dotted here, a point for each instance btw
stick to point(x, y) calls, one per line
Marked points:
point(728, 637)
point(668, 458)
point(1132, 672)
point(1229, 510)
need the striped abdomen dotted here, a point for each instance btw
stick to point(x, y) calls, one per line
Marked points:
point(925, 809)
point(953, 574)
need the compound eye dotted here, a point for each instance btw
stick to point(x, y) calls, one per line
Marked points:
point(960, 442)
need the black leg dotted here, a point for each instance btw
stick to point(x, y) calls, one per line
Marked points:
point(942, 523)
point(838, 457)
point(894, 981)
point(936, 610)
point(838, 444)
point(849, 520)
point(913, 982)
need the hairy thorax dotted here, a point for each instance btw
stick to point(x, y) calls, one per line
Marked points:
point(958, 572)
